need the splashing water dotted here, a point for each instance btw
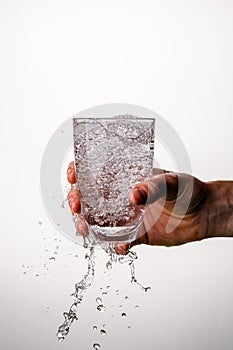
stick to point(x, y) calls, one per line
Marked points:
point(82, 286)
point(130, 258)
point(80, 289)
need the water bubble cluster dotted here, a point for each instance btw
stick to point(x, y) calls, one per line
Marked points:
point(110, 158)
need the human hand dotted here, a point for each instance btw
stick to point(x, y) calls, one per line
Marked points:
point(176, 208)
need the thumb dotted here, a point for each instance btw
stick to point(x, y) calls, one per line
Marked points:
point(159, 186)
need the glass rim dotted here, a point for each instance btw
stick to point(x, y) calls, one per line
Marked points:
point(112, 118)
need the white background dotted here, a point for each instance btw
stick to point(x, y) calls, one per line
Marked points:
point(59, 57)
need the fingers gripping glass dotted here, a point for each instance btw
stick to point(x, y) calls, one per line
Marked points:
point(112, 155)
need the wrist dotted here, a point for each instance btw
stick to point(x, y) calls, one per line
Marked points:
point(220, 209)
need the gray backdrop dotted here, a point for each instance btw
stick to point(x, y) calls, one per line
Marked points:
point(61, 57)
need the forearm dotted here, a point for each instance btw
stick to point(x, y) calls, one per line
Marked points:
point(220, 209)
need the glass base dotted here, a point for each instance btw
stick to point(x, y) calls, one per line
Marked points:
point(123, 234)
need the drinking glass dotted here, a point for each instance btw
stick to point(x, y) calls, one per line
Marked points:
point(112, 155)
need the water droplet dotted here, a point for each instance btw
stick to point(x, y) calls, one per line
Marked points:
point(104, 325)
point(52, 258)
point(60, 337)
point(123, 315)
point(94, 327)
point(101, 308)
point(136, 306)
point(98, 300)
point(24, 273)
point(73, 309)
point(109, 265)
point(103, 332)
point(76, 256)
point(126, 297)
point(104, 293)
point(129, 327)
point(37, 275)
point(108, 287)
point(40, 222)
point(96, 346)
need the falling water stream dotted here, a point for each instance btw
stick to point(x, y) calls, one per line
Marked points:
point(82, 286)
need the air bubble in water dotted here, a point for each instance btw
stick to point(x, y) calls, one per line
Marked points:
point(94, 328)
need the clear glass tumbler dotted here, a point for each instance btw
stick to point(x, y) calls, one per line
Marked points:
point(112, 155)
